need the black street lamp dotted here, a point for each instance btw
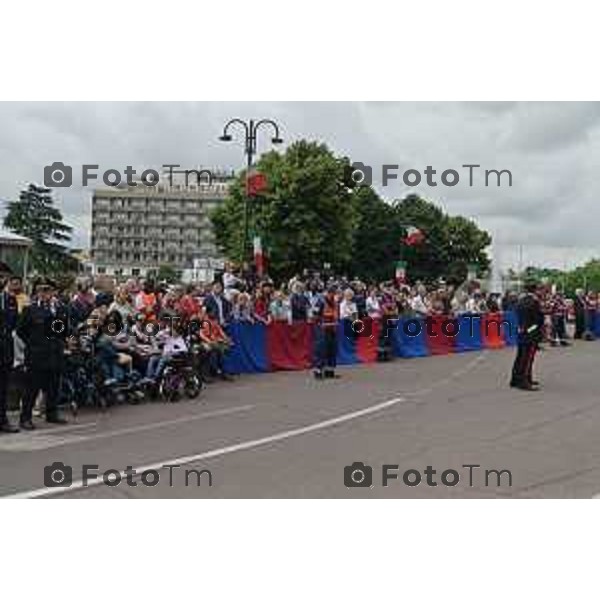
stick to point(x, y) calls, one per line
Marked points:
point(250, 129)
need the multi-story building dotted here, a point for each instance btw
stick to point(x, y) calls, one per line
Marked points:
point(138, 229)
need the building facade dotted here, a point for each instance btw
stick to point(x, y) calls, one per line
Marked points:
point(138, 229)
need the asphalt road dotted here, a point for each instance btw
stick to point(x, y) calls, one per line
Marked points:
point(285, 435)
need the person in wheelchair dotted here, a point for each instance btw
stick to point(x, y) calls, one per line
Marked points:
point(109, 347)
point(144, 341)
point(170, 337)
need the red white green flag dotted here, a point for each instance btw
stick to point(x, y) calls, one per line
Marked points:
point(259, 259)
point(400, 272)
point(414, 236)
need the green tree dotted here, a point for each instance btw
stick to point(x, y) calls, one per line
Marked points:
point(167, 273)
point(451, 242)
point(35, 216)
point(377, 237)
point(306, 217)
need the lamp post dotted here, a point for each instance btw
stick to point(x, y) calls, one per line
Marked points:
point(250, 129)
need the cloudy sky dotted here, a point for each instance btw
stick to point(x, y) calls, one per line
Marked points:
point(552, 150)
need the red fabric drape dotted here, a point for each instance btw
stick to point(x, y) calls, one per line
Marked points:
point(492, 330)
point(290, 347)
point(366, 346)
point(440, 343)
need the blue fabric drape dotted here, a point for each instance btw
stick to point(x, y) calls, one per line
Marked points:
point(346, 346)
point(409, 345)
point(249, 352)
point(510, 328)
point(469, 333)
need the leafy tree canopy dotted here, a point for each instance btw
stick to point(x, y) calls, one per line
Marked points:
point(35, 216)
point(314, 213)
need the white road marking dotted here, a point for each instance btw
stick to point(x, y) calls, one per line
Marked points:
point(43, 441)
point(78, 484)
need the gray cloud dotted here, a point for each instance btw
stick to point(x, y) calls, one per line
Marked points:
point(552, 149)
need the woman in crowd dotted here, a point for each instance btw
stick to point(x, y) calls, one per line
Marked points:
point(214, 342)
point(122, 304)
point(373, 304)
point(279, 308)
point(243, 310)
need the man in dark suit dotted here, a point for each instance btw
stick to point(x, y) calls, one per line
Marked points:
point(580, 307)
point(217, 306)
point(8, 321)
point(42, 327)
point(530, 319)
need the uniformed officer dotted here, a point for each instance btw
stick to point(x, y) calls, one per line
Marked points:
point(530, 319)
point(558, 315)
point(8, 322)
point(327, 315)
point(42, 328)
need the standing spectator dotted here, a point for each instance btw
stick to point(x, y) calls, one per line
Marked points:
point(326, 348)
point(231, 282)
point(187, 306)
point(262, 301)
point(417, 303)
point(591, 305)
point(146, 301)
point(509, 302)
point(373, 305)
point(314, 296)
point(44, 353)
point(15, 289)
point(579, 305)
point(348, 308)
point(217, 306)
point(558, 315)
point(8, 321)
point(279, 308)
point(360, 298)
point(242, 308)
point(83, 302)
point(299, 302)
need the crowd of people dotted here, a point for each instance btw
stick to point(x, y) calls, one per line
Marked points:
point(140, 326)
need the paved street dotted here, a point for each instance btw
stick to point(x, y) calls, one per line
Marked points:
point(285, 435)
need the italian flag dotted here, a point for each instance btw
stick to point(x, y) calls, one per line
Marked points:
point(400, 272)
point(259, 259)
point(414, 236)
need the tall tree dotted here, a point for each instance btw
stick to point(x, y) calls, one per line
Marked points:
point(306, 216)
point(376, 238)
point(451, 242)
point(35, 216)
